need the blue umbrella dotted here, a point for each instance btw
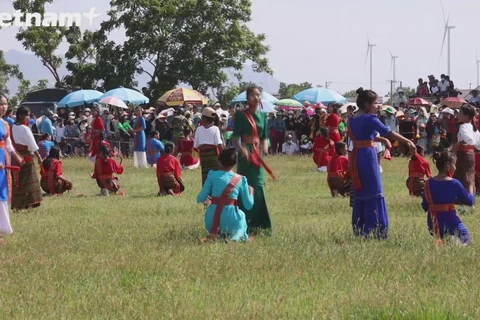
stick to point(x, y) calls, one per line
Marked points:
point(315, 95)
point(267, 106)
point(242, 97)
point(128, 96)
point(79, 98)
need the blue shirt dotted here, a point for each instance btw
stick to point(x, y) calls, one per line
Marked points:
point(44, 147)
point(46, 127)
point(10, 121)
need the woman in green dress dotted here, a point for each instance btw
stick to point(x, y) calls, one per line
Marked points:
point(250, 139)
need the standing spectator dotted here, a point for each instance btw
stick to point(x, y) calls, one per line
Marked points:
point(71, 133)
point(432, 83)
point(278, 133)
point(390, 120)
point(301, 127)
point(432, 128)
point(46, 126)
point(443, 86)
point(475, 98)
point(290, 126)
point(140, 141)
point(59, 131)
point(399, 99)
point(8, 117)
point(407, 129)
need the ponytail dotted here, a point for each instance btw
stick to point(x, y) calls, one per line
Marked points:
point(475, 129)
point(216, 120)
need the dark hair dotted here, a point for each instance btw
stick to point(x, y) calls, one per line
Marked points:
point(54, 154)
point(419, 150)
point(101, 136)
point(442, 158)
point(334, 107)
point(252, 88)
point(9, 110)
point(228, 158)
point(44, 136)
point(365, 97)
point(339, 146)
point(469, 111)
point(153, 133)
point(215, 120)
point(106, 151)
point(187, 131)
point(324, 132)
point(21, 113)
point(169, 147)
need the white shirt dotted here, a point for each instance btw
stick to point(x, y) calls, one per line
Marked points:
point(59, 133)
point(24, 136)
point(466, 134)
point(289, 148)
point(443, 85)
point(207, 136)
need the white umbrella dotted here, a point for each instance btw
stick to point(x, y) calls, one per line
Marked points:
point(113, 101)
point(343, 109)
point(168, 112)
point(449, 111)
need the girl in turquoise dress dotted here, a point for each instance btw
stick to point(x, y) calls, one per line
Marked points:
point(221, 192)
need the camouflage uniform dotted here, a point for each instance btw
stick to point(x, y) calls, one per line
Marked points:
point(179, 123)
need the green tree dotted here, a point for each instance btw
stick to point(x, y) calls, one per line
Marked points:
point(286, 91)
point(43, 41)
point(350, 94)
point(25, 87)
point(7, 72)
point(409, 92)
point(189, 41)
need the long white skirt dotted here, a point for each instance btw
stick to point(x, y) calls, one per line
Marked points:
point(5, 226)
point(140, 159)
point(195, 166)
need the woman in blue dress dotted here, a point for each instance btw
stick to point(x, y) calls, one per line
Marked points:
point(221, 192)
point(139, 141)
point(369, 213)
point(441, 193)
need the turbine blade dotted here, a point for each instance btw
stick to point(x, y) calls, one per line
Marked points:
point(443, 11)
point(444, 37)
point(366, 56)
point(391, 64)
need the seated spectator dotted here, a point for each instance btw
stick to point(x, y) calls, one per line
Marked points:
point(432, 83)
point(289, 147)
point(475, 98)
point(444, 86)
point(422, 91)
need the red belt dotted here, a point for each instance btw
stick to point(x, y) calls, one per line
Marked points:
point(255, 157)
point(220, 203)
point(466, 148)
point(361, 144)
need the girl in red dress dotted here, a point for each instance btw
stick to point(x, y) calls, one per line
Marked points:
point(169, 174)
point(332, 123)
point(323, 149)
point(185, 148)
point(105, 168)
point(97, 128)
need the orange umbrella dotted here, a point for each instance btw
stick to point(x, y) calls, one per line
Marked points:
point(453, 103)
point(418, 102)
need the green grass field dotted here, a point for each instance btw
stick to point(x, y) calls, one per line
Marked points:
point(139, 256)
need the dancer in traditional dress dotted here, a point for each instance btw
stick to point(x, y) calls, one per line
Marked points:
point(53, 182)
point(369, 210)
point(26, 192)
point(154, 148)
point(139, 140)
point(477, 171)
point(250, 133)
point(208, 142)
point(221, 191)
point(44, 145)
point(169, 173)
point(185, 149)
point(105, 168)
point(97, 128)
point(465, 148)
point(6, 150)
point(441, 193)
point(323, 149)
point(338, 178)
point(332, 123)
point(418, 168)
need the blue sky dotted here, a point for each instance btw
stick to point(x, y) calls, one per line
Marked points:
point(323, 40)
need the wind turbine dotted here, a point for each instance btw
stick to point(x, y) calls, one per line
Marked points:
point(478, 69)
point(370, 51)
point(392, 67)
point(448, 28)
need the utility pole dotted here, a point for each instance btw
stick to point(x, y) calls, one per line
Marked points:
point(327, 83)
point(392, 82)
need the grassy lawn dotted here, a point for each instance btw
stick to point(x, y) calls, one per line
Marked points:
point(139, 256)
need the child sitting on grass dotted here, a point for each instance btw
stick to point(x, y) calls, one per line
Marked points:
point(53, 182)
point(221, 192)
point(441, 193)
point(169, 173)
point(338, 179)
point(105, 167)
point(418, 168)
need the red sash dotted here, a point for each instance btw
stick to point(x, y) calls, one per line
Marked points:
point(51, 174)
point(433, 209)
point(255, 157)
point(357, 144)
point(223, 201)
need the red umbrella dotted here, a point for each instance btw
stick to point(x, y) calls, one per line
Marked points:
point(418, 102)
point(453, 103)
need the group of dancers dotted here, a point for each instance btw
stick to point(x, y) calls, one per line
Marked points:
point(237, 208)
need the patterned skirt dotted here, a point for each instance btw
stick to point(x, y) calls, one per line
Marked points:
point(418, 185)
point(351, 195)
point(58, 185)
point(110, 183)
point(208, 161)
point(26, 192)
point(168, 183)
point(340, 185)
point(465, 172)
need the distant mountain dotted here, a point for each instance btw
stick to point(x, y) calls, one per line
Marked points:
point(33, 70)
